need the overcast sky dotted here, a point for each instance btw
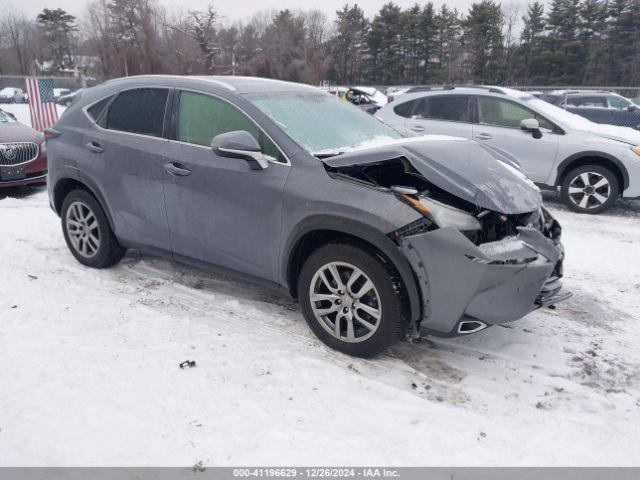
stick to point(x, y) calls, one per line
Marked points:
point(239, 9)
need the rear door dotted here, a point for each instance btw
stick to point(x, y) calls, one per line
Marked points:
point(219, 210)
point(125, 153)
point(498, 125)
point(442, 115)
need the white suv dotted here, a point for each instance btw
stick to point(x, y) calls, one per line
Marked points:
point(593, 164)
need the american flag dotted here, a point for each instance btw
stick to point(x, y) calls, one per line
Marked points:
point(42, 103)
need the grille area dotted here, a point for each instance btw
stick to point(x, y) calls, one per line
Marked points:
point(16, 153)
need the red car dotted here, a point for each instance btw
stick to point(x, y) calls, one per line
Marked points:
point(23, 156)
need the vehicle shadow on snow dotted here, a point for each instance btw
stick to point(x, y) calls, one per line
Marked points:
point(21, 192)
point(624, 207)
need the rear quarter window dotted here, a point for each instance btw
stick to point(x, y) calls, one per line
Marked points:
point(95, 110)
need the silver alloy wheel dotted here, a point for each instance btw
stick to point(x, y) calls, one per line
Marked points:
point(589, 190)
point(345, 302)
point(82, 228)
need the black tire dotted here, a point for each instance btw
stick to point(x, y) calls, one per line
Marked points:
point(393, 305)
point(593, 204)
point(109, 251)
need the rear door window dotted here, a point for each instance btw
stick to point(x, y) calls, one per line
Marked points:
point(201, 117)
point(140, 110)
point(453, 108)
point(588, 101)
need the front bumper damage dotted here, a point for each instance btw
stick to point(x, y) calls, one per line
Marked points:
point(466, 287)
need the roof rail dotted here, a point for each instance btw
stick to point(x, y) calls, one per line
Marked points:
point(484, 87)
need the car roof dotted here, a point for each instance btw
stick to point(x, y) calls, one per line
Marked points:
point(488, 90)
point(570, 92)
point(239, 85)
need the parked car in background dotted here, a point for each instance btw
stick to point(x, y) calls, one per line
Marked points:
point(23, 155)
point(368, 99)
point(598, 106)
point(12, 95)
point(59, 92)
point(394, 94)
point(285, 185)
point(66, 100)
point(592, 164)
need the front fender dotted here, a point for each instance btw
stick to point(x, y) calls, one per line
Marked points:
point(361, 231)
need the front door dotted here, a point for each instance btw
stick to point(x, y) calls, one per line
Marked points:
point(499, 126)
point(219, 210)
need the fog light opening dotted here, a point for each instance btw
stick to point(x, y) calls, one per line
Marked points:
point(471, 326)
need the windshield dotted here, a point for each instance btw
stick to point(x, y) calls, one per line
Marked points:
point(557, 114)
point(321, 122)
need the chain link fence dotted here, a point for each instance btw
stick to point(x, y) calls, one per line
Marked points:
point(13, 88)
point(625, 91)
point(15, 101)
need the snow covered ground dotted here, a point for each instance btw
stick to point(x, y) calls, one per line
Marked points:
point(89, 366)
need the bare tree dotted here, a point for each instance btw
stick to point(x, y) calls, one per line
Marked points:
point(201, 26)
point(20, 32)
point(316, 32)
point(511, 12)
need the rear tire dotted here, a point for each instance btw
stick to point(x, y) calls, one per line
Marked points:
point(590, 189)
point(371, 316)
point(87, 231)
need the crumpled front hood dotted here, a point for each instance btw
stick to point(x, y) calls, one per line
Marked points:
point(463, 168)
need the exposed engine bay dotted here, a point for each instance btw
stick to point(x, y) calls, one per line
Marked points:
point(399, 171)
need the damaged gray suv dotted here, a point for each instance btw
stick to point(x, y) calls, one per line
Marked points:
point(376, 236)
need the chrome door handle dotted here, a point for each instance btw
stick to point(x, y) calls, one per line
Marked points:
point(417, 128)
point(483, 136)
point(176, 170)
point(95, 147)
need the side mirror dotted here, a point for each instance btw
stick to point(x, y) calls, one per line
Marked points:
point(240, 144)
point(531, 125)
point(633, 107)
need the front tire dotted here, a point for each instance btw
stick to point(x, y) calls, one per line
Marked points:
point(87, 231)
point(590, 189)
point(352, 299)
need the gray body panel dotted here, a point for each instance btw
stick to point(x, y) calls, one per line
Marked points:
point(224, 213)
point(248, 222)
point(493, 291)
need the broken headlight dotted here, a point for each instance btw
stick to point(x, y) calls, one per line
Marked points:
point(444, 215)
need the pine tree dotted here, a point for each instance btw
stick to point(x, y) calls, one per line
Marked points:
point(561, 47)
point(348, 44)
point(592, 35)
point(533, 27)
point(484, 41)
point(58, 28)
point(447, 43)
point(386, 45)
